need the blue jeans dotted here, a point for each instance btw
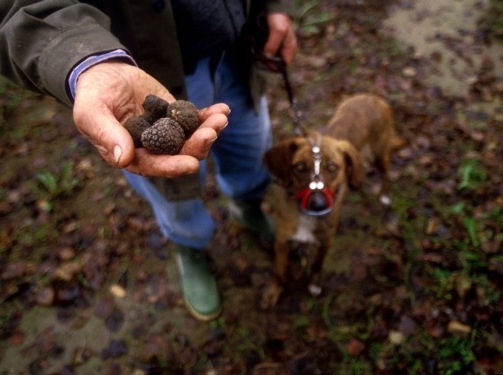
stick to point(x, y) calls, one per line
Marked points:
point(237, 153)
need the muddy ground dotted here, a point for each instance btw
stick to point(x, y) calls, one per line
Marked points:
point(89, 286)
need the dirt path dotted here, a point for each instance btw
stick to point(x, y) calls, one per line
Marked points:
point(446, 35)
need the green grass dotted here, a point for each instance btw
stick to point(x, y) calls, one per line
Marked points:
point(308, 18)
point(494, 19)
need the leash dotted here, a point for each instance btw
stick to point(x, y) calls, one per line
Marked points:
point(296, 113)
point(277, 64)
point(317, 198)
point(299, 128)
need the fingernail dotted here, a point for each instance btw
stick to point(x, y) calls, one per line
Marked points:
point(210, 142)
point(117, 153)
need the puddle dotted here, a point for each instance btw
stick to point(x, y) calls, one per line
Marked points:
point(445, 33)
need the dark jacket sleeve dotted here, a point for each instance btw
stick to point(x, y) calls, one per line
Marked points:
point(280, 6)
point(41, 41)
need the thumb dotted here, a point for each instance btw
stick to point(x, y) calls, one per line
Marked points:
point(111, 139)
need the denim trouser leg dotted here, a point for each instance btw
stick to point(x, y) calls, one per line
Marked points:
point(184, 222)
point(237, 154)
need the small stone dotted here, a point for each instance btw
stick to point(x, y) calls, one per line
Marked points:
point(315, 290)
point(409, 72)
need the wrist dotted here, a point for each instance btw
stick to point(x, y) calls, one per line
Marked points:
point(84, 65)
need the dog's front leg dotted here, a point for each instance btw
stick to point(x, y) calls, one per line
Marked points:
point(383, 166)
point(315, 281)
point(275, 287)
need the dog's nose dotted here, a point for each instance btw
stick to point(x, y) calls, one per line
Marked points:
point(317, 202)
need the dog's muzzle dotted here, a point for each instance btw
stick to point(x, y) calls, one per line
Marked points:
point(316, 200)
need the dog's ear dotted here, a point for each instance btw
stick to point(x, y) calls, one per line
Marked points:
point(354, 164)
point(278, 160)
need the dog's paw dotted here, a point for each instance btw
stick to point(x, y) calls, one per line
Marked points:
point(270, 295)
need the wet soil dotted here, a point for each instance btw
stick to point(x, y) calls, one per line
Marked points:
point(89, 286)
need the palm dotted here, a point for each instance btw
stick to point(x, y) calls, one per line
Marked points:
point(108, 94)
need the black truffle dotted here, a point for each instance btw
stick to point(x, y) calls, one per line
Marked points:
point(164, 137)
point(186, 114)
point(163, 128)
point(136, 125)
point(154, 107)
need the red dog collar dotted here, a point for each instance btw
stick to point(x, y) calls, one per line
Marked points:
point(316, 200)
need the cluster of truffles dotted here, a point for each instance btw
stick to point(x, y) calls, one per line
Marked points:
point(163, 127)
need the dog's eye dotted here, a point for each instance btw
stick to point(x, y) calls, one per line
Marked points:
point(332, 167)
point(300, 167)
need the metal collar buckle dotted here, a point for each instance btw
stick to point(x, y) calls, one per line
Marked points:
point(316, 199)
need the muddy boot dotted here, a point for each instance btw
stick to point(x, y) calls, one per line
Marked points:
point(199, 287)
point(249, 214)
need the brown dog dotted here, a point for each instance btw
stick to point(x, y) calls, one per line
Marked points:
point(315, 172)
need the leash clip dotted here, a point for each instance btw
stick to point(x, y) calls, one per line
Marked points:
point(317, 199)
point(316, 151)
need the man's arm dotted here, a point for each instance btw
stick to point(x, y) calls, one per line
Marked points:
point(41, 42)
point(40, 46)
point(281, 40)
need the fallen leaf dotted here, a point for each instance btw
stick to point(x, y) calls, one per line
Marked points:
point(456, 327)
point(14, 270)
point(396, 337)
point(68, 270)
point(355, 347)
point(117, 291)
point(45, 296)
point(66, 253)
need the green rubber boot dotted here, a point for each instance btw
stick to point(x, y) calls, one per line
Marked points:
point(249, 214)
point(199, 287)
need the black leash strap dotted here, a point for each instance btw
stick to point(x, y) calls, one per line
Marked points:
point(299, 128)
point(278, 65)
point(309, 198)
point(296, 113)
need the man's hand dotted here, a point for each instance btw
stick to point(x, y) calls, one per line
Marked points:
point(282, 40)
point(109, 93)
